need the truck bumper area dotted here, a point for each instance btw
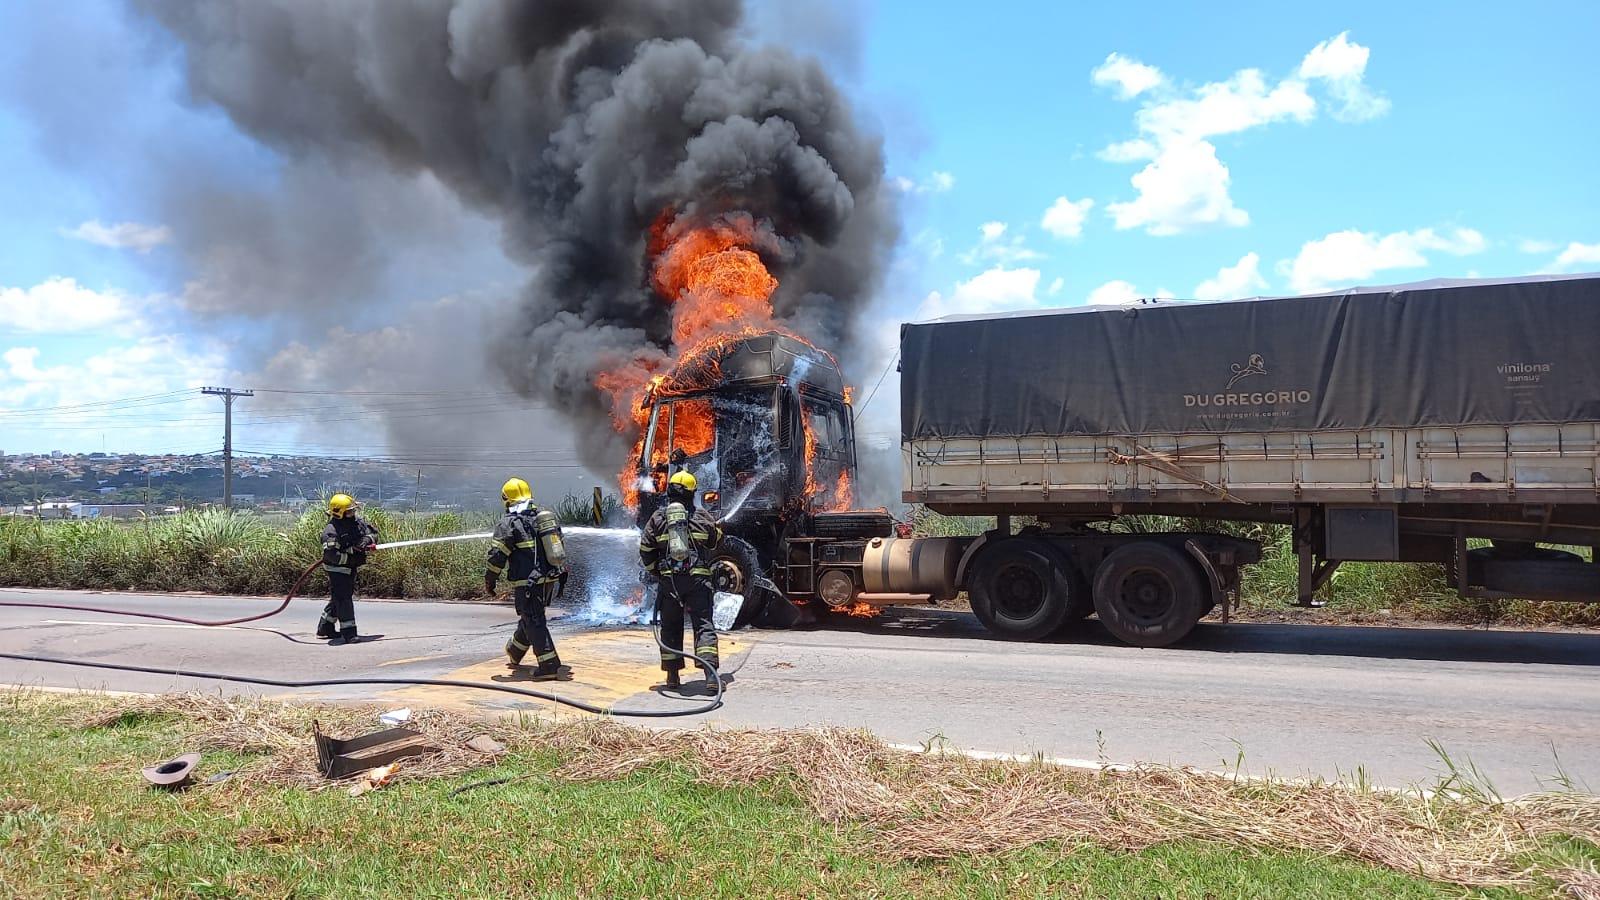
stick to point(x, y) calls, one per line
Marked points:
point(766, 607)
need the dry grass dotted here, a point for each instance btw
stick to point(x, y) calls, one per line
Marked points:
point(280, 735)
point(1584, 884)
point(938, 806)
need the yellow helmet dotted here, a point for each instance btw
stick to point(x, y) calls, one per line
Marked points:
point(684, 480)
point(339, 504)
point(515, 490)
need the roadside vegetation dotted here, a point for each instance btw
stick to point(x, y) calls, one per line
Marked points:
point(240, 553)
point(1359, 592)
point(594, 808)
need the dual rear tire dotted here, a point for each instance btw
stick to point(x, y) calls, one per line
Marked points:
point(1146, 593)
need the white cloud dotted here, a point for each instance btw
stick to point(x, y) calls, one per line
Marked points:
point(1242, 279)
point(1065, 218)
point(1528, 245)
point(1343, 66)
point(994, 290)
point(936, 183)
point(1129, 76)
point(994, 246)
point(1129, 151)
point(123, 235)
point(1348, 256)
point(1056, 287)
point(150, 365)
point(1111, 293)
point(1242, 102)
point(1578, 256)
point(1183, 185)
point(61, 306)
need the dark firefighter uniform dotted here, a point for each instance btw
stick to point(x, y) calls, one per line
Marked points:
point(345, 543)
point(682, 587)
point(515, 552)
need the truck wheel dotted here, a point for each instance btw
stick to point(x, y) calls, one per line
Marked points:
point(1080, 598)
point(734, 567)
point(1148, 594)
point(1019, 592)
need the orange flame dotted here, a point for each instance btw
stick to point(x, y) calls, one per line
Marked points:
point(719, 291)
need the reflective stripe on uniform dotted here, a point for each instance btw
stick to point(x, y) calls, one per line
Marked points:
point(338, 570)
point(526, 545)
point(546, 657)
point(519, 645)
point(327, 617)
point(497, 569)
point(700, 536)
point(700, 570)
point(501, 546)
point(347, 626)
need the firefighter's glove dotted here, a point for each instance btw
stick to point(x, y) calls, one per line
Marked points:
point(488, 586)
point(561, 584)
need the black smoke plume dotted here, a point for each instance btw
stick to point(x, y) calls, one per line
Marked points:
point(575, 124)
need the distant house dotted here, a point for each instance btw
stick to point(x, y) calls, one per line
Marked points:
point(124, 510)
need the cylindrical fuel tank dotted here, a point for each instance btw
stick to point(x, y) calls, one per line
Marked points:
point(913, 566)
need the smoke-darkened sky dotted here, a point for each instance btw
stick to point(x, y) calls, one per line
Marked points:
point(174, 216)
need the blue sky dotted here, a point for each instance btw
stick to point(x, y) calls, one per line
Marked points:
point(1192, 150)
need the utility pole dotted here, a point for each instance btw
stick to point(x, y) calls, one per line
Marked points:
point(227, 395)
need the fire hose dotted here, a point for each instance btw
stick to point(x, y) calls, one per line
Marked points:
point(713, 677)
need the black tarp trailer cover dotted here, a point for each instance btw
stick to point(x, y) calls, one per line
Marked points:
point(1435, 353)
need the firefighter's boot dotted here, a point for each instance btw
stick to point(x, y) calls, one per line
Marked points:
point(548, 668)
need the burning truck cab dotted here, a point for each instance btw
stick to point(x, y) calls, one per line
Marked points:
point(764, 424)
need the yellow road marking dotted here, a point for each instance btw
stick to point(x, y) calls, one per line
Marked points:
point(411, 659)
point(607, 666)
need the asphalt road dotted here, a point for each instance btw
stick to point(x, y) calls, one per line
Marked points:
point(1293, 700)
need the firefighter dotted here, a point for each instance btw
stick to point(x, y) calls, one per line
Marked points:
point(345, 544)
point(676, 547)
point(528, 548)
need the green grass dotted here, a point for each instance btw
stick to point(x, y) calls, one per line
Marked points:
point(241, 553)
point(76, 820)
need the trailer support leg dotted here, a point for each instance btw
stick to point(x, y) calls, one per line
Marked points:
point(1313, 575)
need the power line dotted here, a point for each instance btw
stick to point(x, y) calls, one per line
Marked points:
point(875, 387)
point(104, 406)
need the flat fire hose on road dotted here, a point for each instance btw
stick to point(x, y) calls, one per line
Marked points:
point(713, 677)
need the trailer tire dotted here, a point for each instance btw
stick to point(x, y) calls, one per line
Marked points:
point(1148, 594)
point(1019, 591)
point(1080, 597)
